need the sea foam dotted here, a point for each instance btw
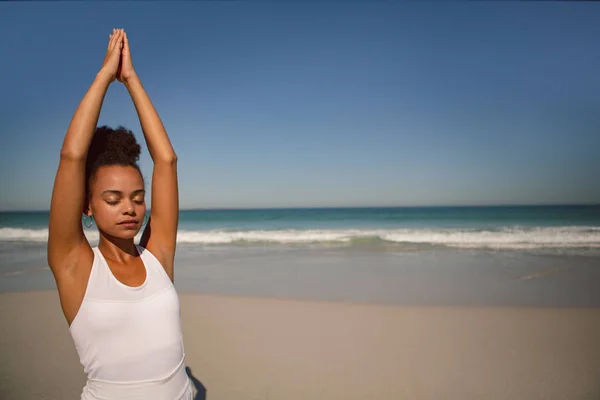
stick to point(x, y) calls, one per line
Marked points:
point(501, 238)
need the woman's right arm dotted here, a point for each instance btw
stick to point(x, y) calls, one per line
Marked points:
point(65, 234)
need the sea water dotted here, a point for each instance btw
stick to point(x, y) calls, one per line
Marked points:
point(353, 253)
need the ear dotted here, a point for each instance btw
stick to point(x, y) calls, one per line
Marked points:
point(87, 208)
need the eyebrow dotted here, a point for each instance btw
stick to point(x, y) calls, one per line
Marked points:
point(118, 192)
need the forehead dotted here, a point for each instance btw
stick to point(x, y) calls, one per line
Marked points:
point(116, 177)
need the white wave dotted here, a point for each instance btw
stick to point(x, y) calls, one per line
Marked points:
point(516, 238)
point(39, 235)
point(279, 236)
point(506, 238)
point(26, 235)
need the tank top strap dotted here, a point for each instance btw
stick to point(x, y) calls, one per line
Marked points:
point(152, 264)
point(99, 282)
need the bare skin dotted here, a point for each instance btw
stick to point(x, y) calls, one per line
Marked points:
point(117, 194)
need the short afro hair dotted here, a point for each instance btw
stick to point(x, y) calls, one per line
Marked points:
point(111, 147)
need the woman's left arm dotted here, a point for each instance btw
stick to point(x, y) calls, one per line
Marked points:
point(160, 234)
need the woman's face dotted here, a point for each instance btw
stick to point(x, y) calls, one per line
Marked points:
point(117, 201)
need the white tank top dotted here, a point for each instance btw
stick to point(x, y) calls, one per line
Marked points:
point(129, 339)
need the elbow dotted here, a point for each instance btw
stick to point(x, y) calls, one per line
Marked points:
point(69, 154)
point(169, 159)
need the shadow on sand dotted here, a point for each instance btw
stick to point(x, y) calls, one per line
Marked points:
point(200, 389)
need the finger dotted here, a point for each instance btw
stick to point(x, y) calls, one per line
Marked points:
point(111, 39)
point(111, 44)
point(117, 38)
point(121, 40)
point(125, 42)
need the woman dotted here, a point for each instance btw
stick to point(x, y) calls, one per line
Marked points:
point(118, 298)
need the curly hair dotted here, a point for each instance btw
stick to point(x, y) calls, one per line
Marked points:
point(111, 147)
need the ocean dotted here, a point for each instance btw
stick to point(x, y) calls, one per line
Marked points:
point(556, 228)
point(293, 251)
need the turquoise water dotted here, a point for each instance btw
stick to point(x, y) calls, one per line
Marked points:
point(425, 255)
point(508, 228)
point(356, 217)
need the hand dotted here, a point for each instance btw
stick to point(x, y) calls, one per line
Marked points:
point(113, 55)
point(126, 70)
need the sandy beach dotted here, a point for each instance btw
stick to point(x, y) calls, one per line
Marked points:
point(259, 348)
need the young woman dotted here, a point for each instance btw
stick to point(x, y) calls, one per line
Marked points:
point(118, 298)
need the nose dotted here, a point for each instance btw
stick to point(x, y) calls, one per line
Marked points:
point(129, 208)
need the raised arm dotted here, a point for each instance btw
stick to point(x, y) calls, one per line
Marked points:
point(65, 234)
point(160, 234)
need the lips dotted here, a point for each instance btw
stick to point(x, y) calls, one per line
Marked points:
point(128, 222)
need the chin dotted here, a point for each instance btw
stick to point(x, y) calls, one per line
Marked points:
point(125, 234)
point(130, 234)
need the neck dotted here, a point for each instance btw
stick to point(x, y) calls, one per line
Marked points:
point(116, 248)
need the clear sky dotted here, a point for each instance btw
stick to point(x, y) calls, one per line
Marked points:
point(310, 104)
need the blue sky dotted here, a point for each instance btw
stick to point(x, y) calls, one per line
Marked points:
point(309, 104)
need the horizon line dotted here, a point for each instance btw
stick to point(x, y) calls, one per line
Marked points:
point(356, 207)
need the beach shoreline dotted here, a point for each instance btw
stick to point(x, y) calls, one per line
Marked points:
point(424, 278)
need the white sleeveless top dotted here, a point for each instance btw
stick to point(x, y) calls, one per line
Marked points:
point(129, 339)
